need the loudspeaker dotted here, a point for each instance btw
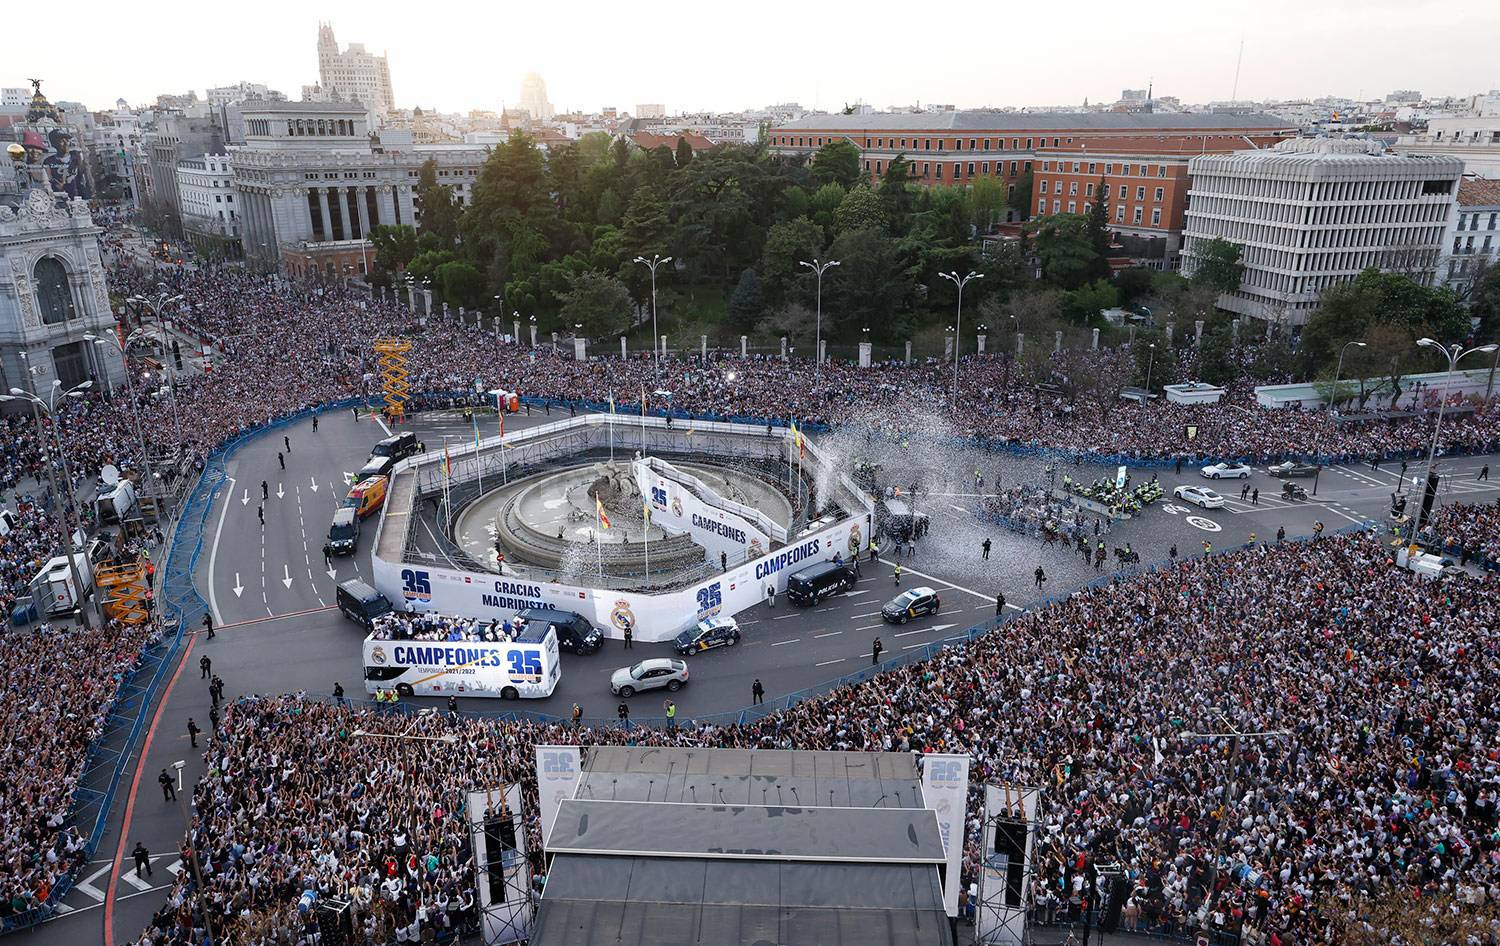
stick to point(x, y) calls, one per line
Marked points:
point(335, 923)
point(1429, 495)
point(499, 841)
point(1010, 843)
point(1118, 889)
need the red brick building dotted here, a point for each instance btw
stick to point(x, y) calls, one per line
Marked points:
point(957, 147)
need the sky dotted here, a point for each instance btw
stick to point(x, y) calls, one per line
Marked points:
point(692, 56)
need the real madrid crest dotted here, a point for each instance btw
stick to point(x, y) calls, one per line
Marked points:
point(621, 616)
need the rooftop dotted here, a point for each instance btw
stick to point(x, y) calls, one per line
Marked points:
point(263, 107)
point(1479, 192)
point(979, 120)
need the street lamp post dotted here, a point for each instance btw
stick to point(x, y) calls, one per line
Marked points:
point(960, 282)
point(135, 407)
point(652, 263)
point(1150, 364)
point(1453, 353)
point(1333, 399)
point(820, 269)
point(63, 510)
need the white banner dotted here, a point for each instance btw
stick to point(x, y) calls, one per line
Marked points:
point(558, 770)
point(945, 789)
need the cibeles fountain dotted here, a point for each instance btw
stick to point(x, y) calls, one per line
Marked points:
point(597, 519)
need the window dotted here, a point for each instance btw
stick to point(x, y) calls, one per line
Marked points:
point(53, 294)
point(1156, 217)
point(1109, 169)
point(984, 167)
point(1028, 167)
point(1092, 166)
point(1136, 218)
point(1120, 213)
point(1088, 190)
point(1159, 193)
point(1075, 167)
point(1140, 193)
point(1012, 167)
point(1028, 144)
point(940, 171)
point(1161, 170)
point(1072, 188)
point(925, 166)
point(971, 144)
point(1056, 205)
point(877, 167)
point(986, 144)
point(958, 144)
point(971, 168)
point(1041, 206)
point(926, 144)
point(1124, 169)
point(1044, 186)
point(1072, 206)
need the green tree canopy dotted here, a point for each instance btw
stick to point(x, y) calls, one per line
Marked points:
point(837, 163)
point(859, 210)
point(866, 288)
point(1218, 265)
point(395, 246)
point(787, 244)
point(1019, 198)
point(439, 208)
point(1064, 248)
point(600, 303)
point(460, 284)
point(1372, 298)
point(747, 304)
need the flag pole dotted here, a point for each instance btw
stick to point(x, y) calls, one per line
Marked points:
point(478, 460)
point(611, 427)
point(646, 537)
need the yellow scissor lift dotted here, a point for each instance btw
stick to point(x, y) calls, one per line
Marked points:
point(394, 374)
point(126, 587)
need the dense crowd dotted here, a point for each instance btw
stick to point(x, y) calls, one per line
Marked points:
point(1374, 765)
point(426, 626)
point(59, 686)
point(1472, 530)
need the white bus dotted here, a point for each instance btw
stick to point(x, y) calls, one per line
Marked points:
point(524, 668)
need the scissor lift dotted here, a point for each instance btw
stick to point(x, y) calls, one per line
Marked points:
point(394, 374)
point(125, 587)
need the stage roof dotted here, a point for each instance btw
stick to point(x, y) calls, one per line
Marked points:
point(879, 835)
point(648, 901)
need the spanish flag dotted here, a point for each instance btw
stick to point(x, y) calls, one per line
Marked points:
point(447, 463)
point(599, 511)
point(646, 512)
point(797, 433)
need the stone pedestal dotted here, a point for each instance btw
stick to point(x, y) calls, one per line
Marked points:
point(864, 354)
point(533, 334)
point(980, 346)
point(1198, 332)
point(1171, 330)
point(783, 348)
point(1131, 339)
point(744, 346)
point(427, 301)
point(663, 350)
point(703, 348)
point(1020, 344)
point(580, 348)
point(1095, 343)
point(908, 351)
point(1234, 332)
point(517, 324)
point(624, 351)
point(947, 347)
point(1057, 341)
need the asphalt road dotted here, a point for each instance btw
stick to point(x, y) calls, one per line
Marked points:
point(273, 594)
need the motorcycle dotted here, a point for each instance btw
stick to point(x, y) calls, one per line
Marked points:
point(1292, 492)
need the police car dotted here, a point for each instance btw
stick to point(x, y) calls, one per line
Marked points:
point(714, 632)
point(911, 604)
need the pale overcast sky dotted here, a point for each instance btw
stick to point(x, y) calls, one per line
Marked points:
point(711, 55)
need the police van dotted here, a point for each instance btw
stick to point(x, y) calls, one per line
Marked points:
point(524, 668)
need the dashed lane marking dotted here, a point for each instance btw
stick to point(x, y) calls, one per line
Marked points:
point(779, 643)
point(829, 663)
point(828, 634)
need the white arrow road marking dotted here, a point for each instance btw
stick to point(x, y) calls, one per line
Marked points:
point(279, 491)
point(851, 594)
point(314, 484)
point(333, 574)
point(287, 570)
point(239, 589)
point(86, 886)
point(245, 499)
point(139, 883)
point(925, 630)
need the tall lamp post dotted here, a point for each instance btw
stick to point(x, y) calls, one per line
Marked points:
point(958, 328)
point(1333, 399)
point(37, 407)
point(1453, 353)
point(652, 263)
point(1150, 364)
point(820, 269)
point(135, 408)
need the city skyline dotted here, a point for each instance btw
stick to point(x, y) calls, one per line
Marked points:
point(1341, 48)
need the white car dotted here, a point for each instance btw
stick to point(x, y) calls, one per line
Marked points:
point(1226, 471)
point(1200, 496)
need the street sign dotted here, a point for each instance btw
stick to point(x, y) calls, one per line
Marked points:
point(1120, 478)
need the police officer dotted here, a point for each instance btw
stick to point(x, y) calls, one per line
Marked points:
point(168, 786)
point(875, 650)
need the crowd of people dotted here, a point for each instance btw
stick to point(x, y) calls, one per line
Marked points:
point(430, 626)
point(1471, 530)
point(1370, 762)
point(59, 685)
point(1033, 509)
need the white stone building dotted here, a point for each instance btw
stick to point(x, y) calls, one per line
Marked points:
point(534, 98)
point(310, 183)
point(210, 217)
point(1311, 213)
point(354, 74)
point(52, 289)
point(1472, 242)
point(1473, 138)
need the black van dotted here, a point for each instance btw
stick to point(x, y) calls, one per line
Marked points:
point(375, 466)
point(343, 534)
point(361, 603)
point(816, 582)
point(574, 632)
point(398, 446)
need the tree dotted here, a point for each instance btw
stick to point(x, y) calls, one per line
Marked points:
point(1133, 283)
point(1087, 302)
point(837, 163)
point(1064, 248)
point(1215, 361)
point(896, 194)
point(1379, 298)
point(684, 155)
point(859, 210)
point(460, 284)
point(987, 202)
point(1020, 196)
point(1217, 265)
point(395, 246)
point(865, 289)
point(747, 304)
point(787, 244)
point(1098, 232)
point(600, 303)
point(423, 265)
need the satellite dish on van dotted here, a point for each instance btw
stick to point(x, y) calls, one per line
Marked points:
point(110, 474)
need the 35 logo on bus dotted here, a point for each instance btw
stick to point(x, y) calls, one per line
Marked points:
point(710, 599)
point(658, 497)
point(416, 585)
point(557, 765)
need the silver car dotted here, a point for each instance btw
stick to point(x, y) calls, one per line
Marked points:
point(650, 674)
